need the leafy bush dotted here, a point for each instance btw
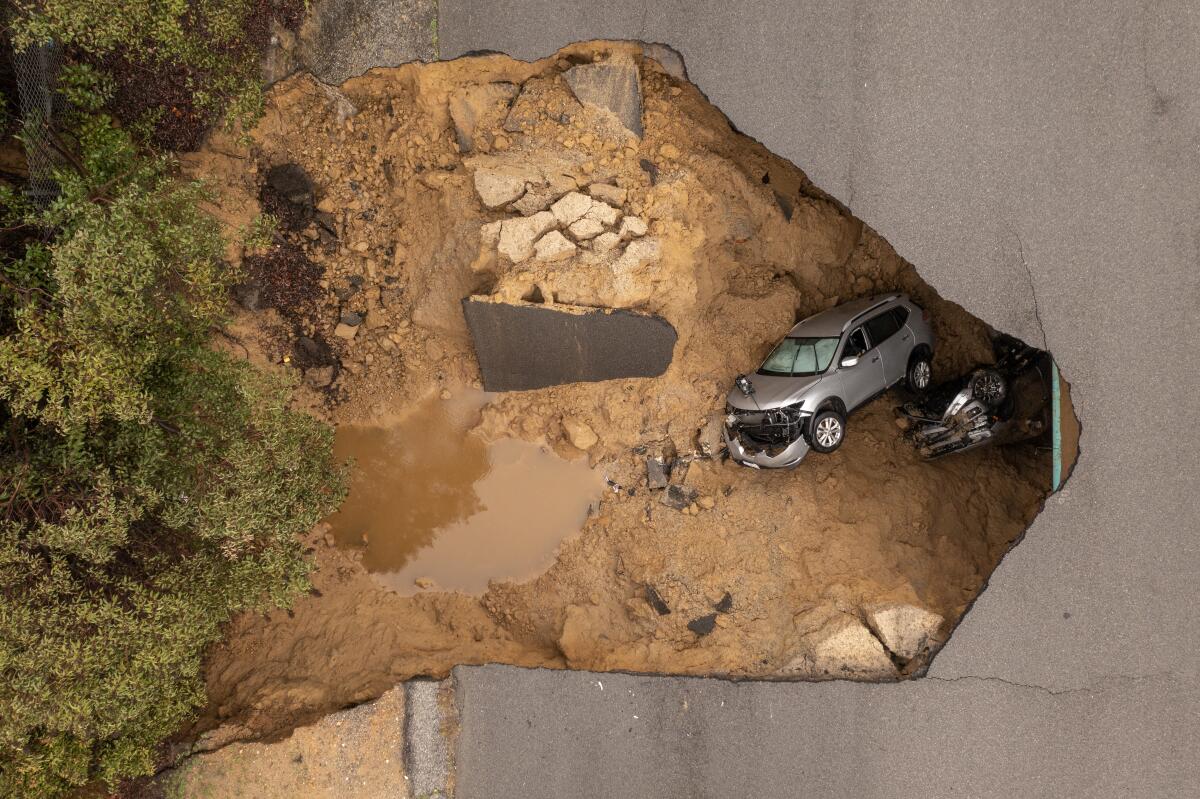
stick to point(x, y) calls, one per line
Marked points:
point(180, 65)
point(150, 485)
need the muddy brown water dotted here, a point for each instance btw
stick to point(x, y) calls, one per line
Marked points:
point(430, 499)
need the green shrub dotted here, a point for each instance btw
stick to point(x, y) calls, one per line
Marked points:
point(150, 485)
point(180, 64)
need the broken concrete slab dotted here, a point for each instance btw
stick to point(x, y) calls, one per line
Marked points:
point(632, 227)
point(497, 188)
point(554, 246)
point(612, 86)
point(536, 198)
point(585, 228)
point(517, 235)
point(605, 242)
point(527, 346)
point(570, 207)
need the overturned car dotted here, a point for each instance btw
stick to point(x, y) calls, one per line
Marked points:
point(1003, 403)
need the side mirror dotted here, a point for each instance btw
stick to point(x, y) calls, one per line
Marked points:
point(848, 361)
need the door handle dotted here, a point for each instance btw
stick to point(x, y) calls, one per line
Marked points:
point(876, 358)
point(904, 338)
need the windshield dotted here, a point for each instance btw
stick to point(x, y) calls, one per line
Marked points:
point(800, 356)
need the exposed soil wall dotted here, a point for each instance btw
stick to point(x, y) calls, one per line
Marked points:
point(856, 564)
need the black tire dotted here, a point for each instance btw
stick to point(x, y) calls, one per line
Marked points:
point(919, 375)
point(825, 423)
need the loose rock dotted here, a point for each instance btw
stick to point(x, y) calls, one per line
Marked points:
point(679, 497)
point(703, 625)
point(345, 331)
point(656, 601)
point(613, 195)
point(579, 433)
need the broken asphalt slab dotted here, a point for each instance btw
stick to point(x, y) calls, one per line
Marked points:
point(522, 347)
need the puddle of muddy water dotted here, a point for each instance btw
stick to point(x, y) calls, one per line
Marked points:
point(429, 499)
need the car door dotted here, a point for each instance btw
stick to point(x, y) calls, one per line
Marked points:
point(864, 379)
point(893, 342)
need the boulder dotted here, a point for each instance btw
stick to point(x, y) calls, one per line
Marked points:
point(904, 629)
point(497, 188)
point(613, 86)
point(472, 105)
point(517, 235)
point(554, 246)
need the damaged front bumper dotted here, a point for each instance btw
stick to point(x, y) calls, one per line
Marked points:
point(783, 452)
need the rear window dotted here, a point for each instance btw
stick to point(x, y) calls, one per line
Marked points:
point(882, 327)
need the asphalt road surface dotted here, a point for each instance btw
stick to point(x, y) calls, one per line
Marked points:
point(1038, 163)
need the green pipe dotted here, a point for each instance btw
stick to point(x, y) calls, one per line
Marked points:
point(1057, 424)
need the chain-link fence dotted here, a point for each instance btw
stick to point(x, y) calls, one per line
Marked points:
point(37, 70)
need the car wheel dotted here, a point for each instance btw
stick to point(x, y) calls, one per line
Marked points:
point(828, 430)
point(920, 373)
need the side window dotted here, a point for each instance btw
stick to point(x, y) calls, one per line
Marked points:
point(901, 314)
point(882, 327)
point(856, 343)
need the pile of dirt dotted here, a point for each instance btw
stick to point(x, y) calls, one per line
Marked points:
point(488, 176)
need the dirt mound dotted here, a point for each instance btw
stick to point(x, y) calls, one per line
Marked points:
point(857, 564)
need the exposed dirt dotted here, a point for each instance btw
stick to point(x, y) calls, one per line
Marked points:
point(802, 574)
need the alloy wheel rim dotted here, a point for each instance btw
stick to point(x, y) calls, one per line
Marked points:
point(829, 430)
point(921, 374)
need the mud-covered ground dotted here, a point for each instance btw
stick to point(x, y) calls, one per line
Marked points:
point(856, 564)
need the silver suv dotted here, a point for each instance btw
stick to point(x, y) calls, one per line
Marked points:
point(828, 365)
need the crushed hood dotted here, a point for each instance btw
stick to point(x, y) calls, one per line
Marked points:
point(772, 392)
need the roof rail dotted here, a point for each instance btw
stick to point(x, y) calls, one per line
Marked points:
point(883, 300)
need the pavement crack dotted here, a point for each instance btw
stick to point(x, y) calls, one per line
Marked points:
point(1037, 311)
point(1107, 684)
